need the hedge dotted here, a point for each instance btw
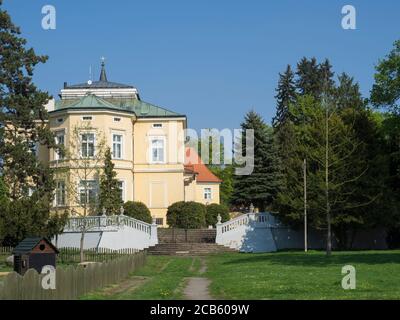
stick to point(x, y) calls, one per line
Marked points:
point(213, 210)
point(186, 215)
point(137, 210)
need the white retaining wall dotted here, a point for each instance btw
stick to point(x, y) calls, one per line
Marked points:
point(115, 233)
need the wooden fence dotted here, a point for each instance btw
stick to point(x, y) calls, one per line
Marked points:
point(71, 282)
point(72, 255)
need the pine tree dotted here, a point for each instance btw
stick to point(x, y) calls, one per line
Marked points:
point(313, 78)
point(308, 80)
point(327, 84)
point(22, 115)
point(262, 185)
point(286, 94)
point(22, 129)
point(110, 192)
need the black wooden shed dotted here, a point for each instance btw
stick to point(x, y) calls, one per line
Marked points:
point(34, 253)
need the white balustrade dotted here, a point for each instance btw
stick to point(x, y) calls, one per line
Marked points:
point(101, 223)
point(249, 232)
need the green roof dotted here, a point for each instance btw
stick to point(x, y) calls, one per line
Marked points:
point(140, 108)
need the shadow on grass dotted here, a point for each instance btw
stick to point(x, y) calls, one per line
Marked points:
point(319, 259)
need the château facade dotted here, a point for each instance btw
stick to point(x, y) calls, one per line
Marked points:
point(147, 144)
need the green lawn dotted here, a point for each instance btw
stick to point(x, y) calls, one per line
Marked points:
point(162, 278)
point(299, 275)
point(3, 266)
point(281, 275)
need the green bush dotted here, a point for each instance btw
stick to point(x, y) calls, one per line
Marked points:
point(186, 215)
point(213, 210)
point(174, 210)
point(137, 210)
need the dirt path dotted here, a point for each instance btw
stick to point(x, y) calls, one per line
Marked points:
point(197, 287)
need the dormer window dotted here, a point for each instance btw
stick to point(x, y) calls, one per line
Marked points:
point(87, 118)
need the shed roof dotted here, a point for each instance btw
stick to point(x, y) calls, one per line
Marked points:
point(28, 244)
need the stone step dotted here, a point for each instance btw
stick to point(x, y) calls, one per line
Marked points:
point(188, 249)
point(167, 235)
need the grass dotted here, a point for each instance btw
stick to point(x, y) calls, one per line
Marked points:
point(299, 275)
point(281, 275)
point(3, 266)
point(163, 278)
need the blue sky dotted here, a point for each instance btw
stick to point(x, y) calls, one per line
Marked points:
point(211, 60)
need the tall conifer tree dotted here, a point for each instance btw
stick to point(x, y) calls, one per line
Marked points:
point(110, 192)
point(262, 185)
point(285, 95)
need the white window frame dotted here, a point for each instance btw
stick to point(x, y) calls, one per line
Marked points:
point(81, 142)
point(207, 195)
point(56, 203)
point(121, 144)
point(83, 118)
point(96, 189)
point(57, 155)
point(164, 141)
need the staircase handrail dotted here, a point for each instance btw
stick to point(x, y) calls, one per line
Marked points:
point(106, 222)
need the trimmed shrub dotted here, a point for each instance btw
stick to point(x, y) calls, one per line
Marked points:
point(213, 210)
point(174, 210)
point(186, 215)
point(137, 210)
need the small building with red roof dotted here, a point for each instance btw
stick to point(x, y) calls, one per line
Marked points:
point(200, 184)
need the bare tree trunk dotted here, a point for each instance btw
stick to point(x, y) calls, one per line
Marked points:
point(82, 254)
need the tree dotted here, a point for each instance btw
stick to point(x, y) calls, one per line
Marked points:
point(187, 215)
point(213, 211)
point(285, 96)
point(110, 193)
point(308, 81)
point(313, 78)
point(137, 210)
point(386, 90)
point(3, 189)
point(173, 212)
point(385, 94)
point(80, 169)
point(330, 146)
point(23, 127)
point(260, 187)
point(225, 173)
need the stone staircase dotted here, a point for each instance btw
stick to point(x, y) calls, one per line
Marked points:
point(192, 242)
point(189, 249)
point(167, 235)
